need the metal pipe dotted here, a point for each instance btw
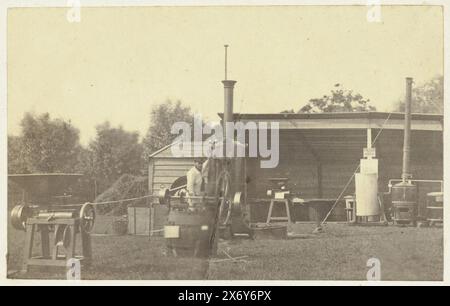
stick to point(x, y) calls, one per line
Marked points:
point(226, 61)
point(56, 215)
point(228, 86)
point(228, 101)
point(441, 182)
point(406, 173)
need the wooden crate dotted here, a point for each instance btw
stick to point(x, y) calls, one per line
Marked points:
point(146, 220)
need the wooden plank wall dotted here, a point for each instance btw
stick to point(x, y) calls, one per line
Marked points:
point(295, 162)
point(164, 171)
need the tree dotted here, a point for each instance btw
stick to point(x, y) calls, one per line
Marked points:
point(162, 117)
point(114, 152)
point(85, 188)
point(45, 145)
point(427, 98)
point(340, 100)
point(16, 163)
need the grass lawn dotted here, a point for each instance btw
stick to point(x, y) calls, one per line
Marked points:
point(340, 253)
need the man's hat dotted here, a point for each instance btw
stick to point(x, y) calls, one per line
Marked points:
point(199, 160)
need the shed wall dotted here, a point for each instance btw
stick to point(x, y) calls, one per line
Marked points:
point(163, 171)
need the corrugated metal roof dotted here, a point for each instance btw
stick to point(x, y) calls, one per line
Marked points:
point(347, 115)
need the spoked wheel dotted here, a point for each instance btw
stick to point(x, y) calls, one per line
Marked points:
point(87, 218)
point(223, 192)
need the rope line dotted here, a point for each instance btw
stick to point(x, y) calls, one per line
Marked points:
point(354, 173)
point(116, 201)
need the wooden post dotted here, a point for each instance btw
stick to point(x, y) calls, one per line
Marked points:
point(134, 220)
point(45, 241)
point(151, 172)
point(152, 219)
point(269, 215)
point(28, 246)
point(73, 246)
point(54, 243)
point(86, 248)
point(73, 236)
point(149, 217)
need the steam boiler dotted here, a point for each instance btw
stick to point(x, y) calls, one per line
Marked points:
point(404, 194)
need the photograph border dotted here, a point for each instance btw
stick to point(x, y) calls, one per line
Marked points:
point(5, 5)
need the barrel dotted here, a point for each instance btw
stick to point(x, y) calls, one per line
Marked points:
point(435, 207)
point(404, 203)
point(190, 233)
point(120, 225)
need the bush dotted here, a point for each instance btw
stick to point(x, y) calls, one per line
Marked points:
point(126, 187)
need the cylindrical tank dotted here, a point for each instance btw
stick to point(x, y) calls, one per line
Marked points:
point(366, 194)
point(435, 207)
point(194, 232)
point(404, 203)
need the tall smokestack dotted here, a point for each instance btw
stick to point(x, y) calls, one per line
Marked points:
point(404, 194)
point(228, 86)
point(406, 173)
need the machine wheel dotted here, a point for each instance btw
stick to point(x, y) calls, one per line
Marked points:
point(63, 235)
point(241, 212)
point(87, 218)
point(164, 196)
point(19, 216)
point(223, 192)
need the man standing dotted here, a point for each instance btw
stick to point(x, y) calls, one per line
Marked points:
point(195, 178)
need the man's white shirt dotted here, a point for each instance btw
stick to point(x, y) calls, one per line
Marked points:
point(194, 182)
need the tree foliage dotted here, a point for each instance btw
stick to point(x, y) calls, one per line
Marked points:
point(113, 152)
point(16, 163)
point(162, 117)
point(52, 145)
point(339, 100)
point(45, 145)
point(427, 98)
point(288, 111)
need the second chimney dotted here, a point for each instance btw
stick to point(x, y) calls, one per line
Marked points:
point(406, 173)
point(228, 86)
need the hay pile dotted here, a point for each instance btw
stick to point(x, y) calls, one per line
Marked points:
point(126, 187)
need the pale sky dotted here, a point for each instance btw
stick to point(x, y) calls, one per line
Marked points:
point(118, 62)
